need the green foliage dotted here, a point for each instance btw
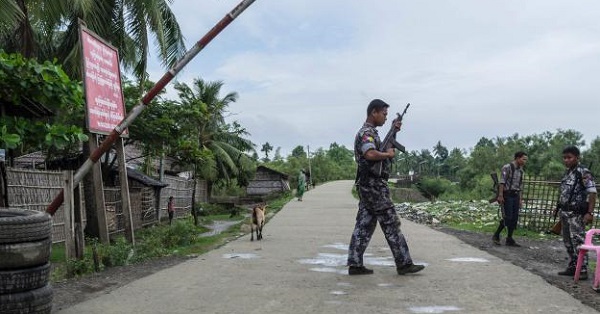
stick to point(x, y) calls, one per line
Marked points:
point(433, 187)
point(46, 30)
point(24, 82)
point(80, 267)
point(216, 150)
point(44, 83)
point(116, 254)
point(336, 163)
point(8, 140)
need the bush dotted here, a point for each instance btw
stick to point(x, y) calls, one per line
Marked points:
point(180, 234)
point(116, 254)
point(433, 187)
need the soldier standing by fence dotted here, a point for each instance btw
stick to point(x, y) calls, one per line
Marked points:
point(576, 208)
point(510, 192)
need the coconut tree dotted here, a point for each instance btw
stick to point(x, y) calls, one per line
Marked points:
point(203, 129)
point(50, 29)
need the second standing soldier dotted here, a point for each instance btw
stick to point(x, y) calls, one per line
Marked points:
point(510, 192)
point(576, 208)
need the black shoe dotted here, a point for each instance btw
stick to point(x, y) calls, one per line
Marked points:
point(409, 269)
point(359, 270)
point(567, 272)
point(511, 242)
point(496, 240)
point(583, 275)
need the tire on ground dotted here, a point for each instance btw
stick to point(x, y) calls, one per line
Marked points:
point(19, 280)
point(38, 301)
point(26, 254)
point(22, 225)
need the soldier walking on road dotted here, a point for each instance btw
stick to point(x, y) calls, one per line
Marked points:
point(375, 203)
point(510, 197)
point(576, 208)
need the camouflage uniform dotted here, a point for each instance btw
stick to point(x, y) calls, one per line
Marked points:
point(575, 186)
point(375, 204)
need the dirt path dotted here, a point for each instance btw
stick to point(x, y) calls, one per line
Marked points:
point(541, 257)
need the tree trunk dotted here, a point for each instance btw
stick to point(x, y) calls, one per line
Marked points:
point(194, 213)
point(3, 185)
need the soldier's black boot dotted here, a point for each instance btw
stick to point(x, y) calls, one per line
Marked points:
point(359, 270)
point(409, 269)
point(511, 242)
point(570, 271)
point(496, 239)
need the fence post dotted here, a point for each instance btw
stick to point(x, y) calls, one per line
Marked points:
point(125, 201)
point(98, 190)
point(78, 220)
point(70, 250)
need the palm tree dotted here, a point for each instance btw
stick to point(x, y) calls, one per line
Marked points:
point(50, 29)
point(202, 120)
point(266, 148)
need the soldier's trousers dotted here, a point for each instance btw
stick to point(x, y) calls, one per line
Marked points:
point(366, 222)
point(573, 233)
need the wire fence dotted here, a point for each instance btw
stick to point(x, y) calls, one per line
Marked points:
point(540, 197)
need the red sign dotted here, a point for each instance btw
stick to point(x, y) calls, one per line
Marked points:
point(102, 81)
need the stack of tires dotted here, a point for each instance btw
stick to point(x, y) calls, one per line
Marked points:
point(25, 243)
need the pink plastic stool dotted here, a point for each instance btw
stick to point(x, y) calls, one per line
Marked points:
point(584, 248)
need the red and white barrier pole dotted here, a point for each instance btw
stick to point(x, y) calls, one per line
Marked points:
point(164, 80)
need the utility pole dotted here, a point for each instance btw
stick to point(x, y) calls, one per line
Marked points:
point(309, 168)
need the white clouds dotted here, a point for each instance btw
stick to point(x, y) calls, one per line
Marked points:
point(306, 69)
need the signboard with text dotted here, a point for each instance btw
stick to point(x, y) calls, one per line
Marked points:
point(105, 107)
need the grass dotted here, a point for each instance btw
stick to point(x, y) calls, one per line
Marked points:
point(180, 239)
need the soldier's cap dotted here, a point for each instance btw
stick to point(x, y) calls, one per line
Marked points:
point(376, 104)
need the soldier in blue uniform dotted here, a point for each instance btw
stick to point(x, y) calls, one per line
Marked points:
point(375, 203)
point(575, 207)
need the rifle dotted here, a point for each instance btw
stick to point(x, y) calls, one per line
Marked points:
point(389, 141)
point(494, 187)
point(495, 198)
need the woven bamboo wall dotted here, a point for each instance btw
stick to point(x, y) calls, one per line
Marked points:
point(35, 190)
point(181, 189)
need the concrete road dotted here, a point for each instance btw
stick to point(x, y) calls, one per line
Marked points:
point(299, 268)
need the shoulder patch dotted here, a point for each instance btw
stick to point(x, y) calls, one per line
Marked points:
point(368, 138)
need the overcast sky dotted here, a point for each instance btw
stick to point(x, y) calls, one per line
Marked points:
point(305, 70)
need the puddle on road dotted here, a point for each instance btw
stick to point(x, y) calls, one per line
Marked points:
point(380, 261)
point(344, 284)
point(337, 246)
point(385, 285)
point(330, 270)
point(338, 292)
point(433, 309)
point(335, 260)
point(218, 227)
point(468, 259)
point(326, 259)
point(241, 255)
